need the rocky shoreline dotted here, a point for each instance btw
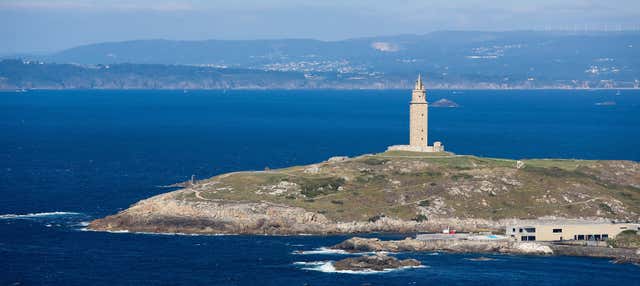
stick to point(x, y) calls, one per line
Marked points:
point(162, 214)
point(358, 244)
point(508, 246)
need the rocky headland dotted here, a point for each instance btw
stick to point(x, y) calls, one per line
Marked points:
point(390, 192)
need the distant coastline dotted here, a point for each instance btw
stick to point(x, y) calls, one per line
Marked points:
point(18, 90)
point(19, 75)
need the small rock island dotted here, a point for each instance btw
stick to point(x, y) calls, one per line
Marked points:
point(445, 103)
point(376, 262)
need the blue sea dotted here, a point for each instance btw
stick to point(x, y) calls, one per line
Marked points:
point(67, 157)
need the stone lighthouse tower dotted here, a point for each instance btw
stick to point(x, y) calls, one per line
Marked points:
point(418, 123)
point(418, 116)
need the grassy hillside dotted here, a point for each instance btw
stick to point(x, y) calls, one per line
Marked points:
point(414, 186)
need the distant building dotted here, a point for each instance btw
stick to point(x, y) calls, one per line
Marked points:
point(418, 123)
point(566, 230)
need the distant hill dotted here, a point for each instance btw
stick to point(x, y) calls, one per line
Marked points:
point(15, 74)
point(518, 59)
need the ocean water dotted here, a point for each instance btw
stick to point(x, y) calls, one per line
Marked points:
point(67, 157)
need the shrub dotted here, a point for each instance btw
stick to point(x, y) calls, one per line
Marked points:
point(605, 207)
point(376, 217)
point(420, 218)
point(463, 176)
point(424, 203)
point(313, 187)
point(626, 239)
point(374, 161)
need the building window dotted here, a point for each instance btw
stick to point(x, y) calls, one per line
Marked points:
point(605, 236)
point(531, 238)
point(597, 237)
point(524, 238)
point(514, 230)
point(520, 230)
point(530, 229)
point(580, 236)
point(557, 230)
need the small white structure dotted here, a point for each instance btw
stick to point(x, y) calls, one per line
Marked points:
point(418, 123)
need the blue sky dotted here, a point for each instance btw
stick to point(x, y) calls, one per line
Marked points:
point(44, 26)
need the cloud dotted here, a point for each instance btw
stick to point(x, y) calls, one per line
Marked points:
point(162, 6)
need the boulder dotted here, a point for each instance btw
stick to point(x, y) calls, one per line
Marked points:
point(377, 262)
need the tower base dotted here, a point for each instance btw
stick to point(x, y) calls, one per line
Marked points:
point(437, 147)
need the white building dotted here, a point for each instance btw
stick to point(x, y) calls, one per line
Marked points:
point(557, 230)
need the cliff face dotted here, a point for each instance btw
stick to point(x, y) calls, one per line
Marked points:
point(393, 191)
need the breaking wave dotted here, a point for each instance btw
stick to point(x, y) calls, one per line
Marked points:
point(38, 215)
point(327, 267)
point(157, 233)
point(321, 250)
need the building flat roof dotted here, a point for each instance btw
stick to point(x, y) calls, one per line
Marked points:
point(568, 222)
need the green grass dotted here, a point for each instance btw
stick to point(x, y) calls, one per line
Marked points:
point(402, 186)
point(313, 187)
point(626, 239)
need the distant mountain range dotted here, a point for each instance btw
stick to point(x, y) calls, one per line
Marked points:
point(519, 59)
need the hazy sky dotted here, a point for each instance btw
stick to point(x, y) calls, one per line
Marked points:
point(41, 25)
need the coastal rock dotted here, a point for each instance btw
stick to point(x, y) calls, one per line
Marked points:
point(625, 260)
point(533, 248)
point(335, 159)
point(357, 244)
point(377, 262)
point(165, 215)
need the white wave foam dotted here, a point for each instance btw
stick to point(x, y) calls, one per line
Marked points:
point(321, 250)
point(327, 267)
point(37, 215)
point(310, 263)
point(156, 233)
